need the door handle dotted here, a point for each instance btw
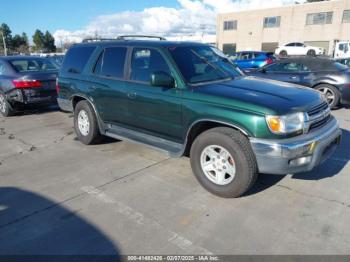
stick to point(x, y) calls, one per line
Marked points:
point(293, 77)
point(132, 95)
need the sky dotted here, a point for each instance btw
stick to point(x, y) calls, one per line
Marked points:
point(73, 20)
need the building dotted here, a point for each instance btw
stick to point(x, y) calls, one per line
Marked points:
point(318, 24)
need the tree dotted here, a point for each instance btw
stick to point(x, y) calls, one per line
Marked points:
point(39, 40)
point(20, 43)
point(6, 32)
point(49, 42)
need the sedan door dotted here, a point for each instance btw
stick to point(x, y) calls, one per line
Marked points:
point(285, 72)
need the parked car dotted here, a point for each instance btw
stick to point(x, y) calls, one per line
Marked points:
point(189, 99)
point(325, 75)
point(344, 61)
point(252, 59)
point(26, 80)
point(299, 49)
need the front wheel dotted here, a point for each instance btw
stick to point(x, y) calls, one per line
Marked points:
point(223, 162)
point(5, 107)
point(331, 93)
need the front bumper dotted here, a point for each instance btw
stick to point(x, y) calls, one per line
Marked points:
point(297, 154)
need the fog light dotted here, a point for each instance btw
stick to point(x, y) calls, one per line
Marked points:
point(300, 161)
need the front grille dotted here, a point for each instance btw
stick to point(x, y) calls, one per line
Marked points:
point(318, 116)
point(318, 109)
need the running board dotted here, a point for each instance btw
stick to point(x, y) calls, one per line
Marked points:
point(171, 148)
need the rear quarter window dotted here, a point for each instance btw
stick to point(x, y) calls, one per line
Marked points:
point(76, 59)
point(111, 62)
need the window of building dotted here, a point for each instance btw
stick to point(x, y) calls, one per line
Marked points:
point(346, 16)
point(111, 62)
point(229, 49)
point(273, 21)
point(319, 18)
point(230, 25)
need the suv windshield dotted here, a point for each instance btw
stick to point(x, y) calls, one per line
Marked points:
point(200, 64)
point(33, 65)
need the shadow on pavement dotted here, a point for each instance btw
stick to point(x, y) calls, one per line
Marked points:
point(332, 167)
point(31, 224)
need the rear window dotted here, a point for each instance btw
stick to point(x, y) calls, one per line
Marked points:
point(111, 62)
point(76, 59)
point(32, 65)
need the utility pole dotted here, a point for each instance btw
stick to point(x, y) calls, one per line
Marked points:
point(4, 42)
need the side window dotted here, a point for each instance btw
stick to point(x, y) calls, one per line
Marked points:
point(76, 59)
point(304, 68)
point(291, 44)
point(284, 67)
point(111, 62)
point(299, 44)
point(146, 61)
point(2, 69)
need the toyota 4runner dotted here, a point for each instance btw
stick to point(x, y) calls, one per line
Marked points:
point(189, 99)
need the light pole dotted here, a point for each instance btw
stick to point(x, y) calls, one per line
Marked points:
point(4, 42)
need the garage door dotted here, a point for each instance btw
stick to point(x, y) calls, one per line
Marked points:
point(229, 49)
point(269, 46)
point(323, 44)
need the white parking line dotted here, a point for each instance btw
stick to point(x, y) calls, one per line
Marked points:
point(135, 216)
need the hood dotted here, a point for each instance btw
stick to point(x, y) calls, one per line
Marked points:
point(279, 97)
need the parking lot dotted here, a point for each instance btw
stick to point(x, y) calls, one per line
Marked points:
point(58, 196)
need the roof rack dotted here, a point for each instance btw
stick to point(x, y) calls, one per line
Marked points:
point(124, 37)
point(88, 40)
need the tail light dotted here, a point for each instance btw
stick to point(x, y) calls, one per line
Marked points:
point(57, 86)
point(269, 60)
point(21, 84)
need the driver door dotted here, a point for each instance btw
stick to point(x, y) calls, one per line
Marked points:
point(155, 109)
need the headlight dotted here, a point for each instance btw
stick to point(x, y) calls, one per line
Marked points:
point(286, 124)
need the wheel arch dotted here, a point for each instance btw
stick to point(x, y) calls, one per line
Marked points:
point(200, 126)
point(75, 99)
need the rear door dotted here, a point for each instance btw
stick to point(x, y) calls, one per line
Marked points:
point(107, 87)
point(155, 109)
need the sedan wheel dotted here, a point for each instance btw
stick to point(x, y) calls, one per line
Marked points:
point(331, 94)
point(2, 104)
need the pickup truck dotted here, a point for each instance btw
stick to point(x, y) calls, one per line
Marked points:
point(188, 99)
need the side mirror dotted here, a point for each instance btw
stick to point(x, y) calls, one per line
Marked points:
point(162, 79)
point(263, 70)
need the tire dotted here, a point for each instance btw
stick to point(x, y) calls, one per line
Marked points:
point(5, 107)
point(85, 123)
point(241, 157)
point(332, 94)
point(311, 53)
point(283, 53)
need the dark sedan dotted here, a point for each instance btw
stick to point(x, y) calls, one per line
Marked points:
point(327, 76)
point(26, 80)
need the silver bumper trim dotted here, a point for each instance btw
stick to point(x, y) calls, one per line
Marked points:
point(274, 155)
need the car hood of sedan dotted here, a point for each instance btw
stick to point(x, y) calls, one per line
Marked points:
point(280, 97)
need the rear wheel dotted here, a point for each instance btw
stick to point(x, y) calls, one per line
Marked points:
point(283, 53)
point(223, 162)
point(331, 93)
point(85, 123)
point(5, 107)
point(311, 53)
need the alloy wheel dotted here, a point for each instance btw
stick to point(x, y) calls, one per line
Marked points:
point(218, 165)
point(329, 94)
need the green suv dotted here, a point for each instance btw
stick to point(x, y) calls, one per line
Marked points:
point(188, 99)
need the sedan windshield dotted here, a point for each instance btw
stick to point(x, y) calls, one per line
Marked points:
point(33, 65)
point(199, 64)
